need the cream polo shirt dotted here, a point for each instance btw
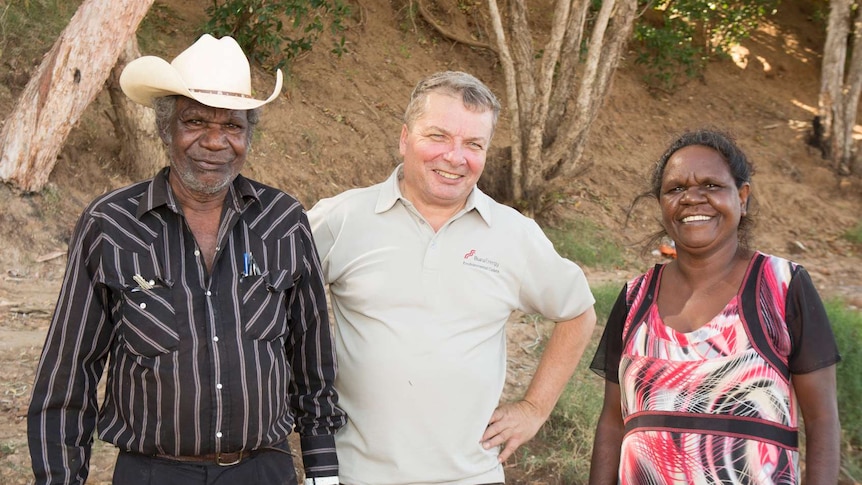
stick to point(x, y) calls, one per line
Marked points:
point(420, 323)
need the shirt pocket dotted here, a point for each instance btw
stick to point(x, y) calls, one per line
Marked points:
point(264, 304)
point(148, 320)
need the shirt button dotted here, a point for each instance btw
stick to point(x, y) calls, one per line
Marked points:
point(215, 339)
point(218, 435)
point(218, 386)
point(209, 293)
point(143, 305)
point(197, 252)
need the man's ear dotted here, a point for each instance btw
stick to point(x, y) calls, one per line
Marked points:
point(164, 135)
point(402, 142)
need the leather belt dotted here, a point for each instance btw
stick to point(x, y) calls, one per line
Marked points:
point(220, 459)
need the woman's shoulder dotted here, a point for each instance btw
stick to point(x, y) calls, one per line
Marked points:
point(778, 264)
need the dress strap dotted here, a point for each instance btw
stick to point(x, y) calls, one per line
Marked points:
point(644, 304)
point(753, 313)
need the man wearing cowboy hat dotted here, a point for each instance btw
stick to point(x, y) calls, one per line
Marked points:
point(205, 290)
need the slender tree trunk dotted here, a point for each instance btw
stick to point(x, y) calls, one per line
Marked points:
point(844, 160)
point(142, 152)
point(553, 101)
point(508, 66)
point(832, 77)
point(69, 78)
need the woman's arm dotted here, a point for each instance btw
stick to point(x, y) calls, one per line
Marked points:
point(605, 463)
point(817, 396)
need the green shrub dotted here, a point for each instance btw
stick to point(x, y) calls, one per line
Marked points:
point(679, 36)
point(584, 242)
point(668, 51)
point(259, 26)
point(847, 325)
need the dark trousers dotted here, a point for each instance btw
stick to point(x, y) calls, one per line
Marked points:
point(268, 467)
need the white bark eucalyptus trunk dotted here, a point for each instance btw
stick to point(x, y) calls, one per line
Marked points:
point(555, 94)
point(839, 87)
point(68, 79)
point(142, 151)
point(845, 158)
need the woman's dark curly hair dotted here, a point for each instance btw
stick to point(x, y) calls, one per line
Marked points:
point(740, 168)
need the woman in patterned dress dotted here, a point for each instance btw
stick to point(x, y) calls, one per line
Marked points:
point(706, 358)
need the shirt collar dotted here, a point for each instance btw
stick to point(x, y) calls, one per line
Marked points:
point(241, 194)
point(390, 193)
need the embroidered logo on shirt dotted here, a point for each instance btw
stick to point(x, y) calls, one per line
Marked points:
point(472, 259)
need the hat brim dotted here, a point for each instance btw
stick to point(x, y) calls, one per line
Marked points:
point(150, 77)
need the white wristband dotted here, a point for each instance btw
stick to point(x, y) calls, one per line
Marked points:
point(322, 481)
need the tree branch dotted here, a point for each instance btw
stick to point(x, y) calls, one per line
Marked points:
point(450, 35)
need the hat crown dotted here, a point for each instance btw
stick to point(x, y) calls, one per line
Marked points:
point(213, 72)
point(215, 66)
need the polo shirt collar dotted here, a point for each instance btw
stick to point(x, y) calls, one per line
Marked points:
point(390, 193)
point(240, 195)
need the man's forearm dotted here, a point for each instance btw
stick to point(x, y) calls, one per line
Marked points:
point(559, 360)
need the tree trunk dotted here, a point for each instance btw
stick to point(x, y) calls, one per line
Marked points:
point(844, 159)
point(69, 78)
point(509, 72)
point(832, 77)
point(142, 152)
point(554, 101)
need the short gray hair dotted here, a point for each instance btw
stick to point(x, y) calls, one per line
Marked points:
point(474, 94)
point(166, 107)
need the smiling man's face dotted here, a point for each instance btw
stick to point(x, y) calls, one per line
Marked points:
point(444, 153)
point(207, 146)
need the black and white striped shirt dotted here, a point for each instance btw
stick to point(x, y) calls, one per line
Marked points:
point(199, 363)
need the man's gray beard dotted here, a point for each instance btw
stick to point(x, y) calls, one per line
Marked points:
point(192, 183)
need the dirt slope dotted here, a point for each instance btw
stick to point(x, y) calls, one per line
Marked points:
point(337, 126)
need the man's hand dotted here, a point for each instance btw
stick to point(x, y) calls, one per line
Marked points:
point(513, 424)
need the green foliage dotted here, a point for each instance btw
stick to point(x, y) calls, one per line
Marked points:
point(668, 51)
point(584, 242)
point(847, 326)
point(679, 36)
point(568, 433)
point(276, 32)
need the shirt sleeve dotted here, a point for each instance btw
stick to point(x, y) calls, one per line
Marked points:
point(312, 357)
point(551, 285)
point(813, 343)
point(323, 236)
point(606, 361)
point(64, 404)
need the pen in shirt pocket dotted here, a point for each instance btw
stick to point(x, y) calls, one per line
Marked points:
point(250, 267)
point(142, 283)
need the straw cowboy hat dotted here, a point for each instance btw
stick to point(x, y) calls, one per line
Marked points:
point(214, 72)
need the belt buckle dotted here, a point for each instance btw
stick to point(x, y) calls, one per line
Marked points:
point(231, 463)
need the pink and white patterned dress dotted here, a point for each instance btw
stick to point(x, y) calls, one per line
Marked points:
point(715, 405)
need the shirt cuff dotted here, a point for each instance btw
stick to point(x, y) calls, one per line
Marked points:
point(321, 481)
point(318, 458)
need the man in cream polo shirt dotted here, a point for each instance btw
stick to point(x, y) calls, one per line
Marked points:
point(424, 271)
